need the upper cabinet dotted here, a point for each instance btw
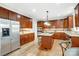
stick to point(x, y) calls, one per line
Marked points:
point(65, 23)
point(53, 24)
point(29, 23)
point(40, 24)
point(12, 15)
point(25, 22)
point(4, 13)
point(77, 16)
point(76, 20)
point(56, 23)
point(70, 22)
point(62, 23)
point(59, 24)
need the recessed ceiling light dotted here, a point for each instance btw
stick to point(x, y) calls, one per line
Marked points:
point(34, 10)
point(43, 17)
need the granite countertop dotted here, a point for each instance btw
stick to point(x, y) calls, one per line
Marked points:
point(21, 33)
point(70, 33)
point(45, 34)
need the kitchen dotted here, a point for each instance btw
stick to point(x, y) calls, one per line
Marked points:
point(41, 30)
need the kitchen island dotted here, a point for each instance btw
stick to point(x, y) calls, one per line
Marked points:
point(46, 41)
point(47, 38)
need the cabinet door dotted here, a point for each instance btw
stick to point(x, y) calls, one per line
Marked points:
point(24, 39)
point(46, 42)
point(31, 37)
point(70, 22)
point(12, 15)
point(29, 24)
point(77, 16)
point(25, 22)
point(76, 20)
point(65, 23)
point(4, 13)
point(40, 24)
point(75, 41)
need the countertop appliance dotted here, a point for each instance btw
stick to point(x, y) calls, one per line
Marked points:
point(9, 36)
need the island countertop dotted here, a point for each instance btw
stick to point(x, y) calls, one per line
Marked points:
point(45, 34)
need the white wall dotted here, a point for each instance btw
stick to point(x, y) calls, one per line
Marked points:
point(34, 24)
point(74, 28)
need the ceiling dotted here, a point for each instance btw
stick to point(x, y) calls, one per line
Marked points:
point(38, 10)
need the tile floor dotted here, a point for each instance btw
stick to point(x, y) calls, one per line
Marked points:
point(31, 49)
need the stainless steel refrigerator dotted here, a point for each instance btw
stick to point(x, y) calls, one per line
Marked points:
point(9, 36)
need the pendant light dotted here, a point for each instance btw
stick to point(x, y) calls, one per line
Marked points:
point(46, 22)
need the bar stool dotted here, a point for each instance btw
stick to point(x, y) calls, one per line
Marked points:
point(65, 45)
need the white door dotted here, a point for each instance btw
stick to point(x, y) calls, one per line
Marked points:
point(15, 35)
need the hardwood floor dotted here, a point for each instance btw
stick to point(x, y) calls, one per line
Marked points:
point(32, 49)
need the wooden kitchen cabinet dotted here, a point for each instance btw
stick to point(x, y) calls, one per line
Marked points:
point(26, 38)
point(70, 22)
point(56, 23)
point(25, 23)
point(40, 24)
point(53, 24)
point(23, 39)
point(77, 16)
point(65, 23)
point(76, 20)
point(46, 42)
point(31, 37)
point(22, 22)
point(4, 13)
point(12, 15)
point(75, 41)
point(29, 23)
point(60, 36)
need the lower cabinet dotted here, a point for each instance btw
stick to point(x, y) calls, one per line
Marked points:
point(26, 38)
point(60, 36)
point(75, 41)
point(46, 42)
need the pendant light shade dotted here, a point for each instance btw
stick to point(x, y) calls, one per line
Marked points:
point(46, 22)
